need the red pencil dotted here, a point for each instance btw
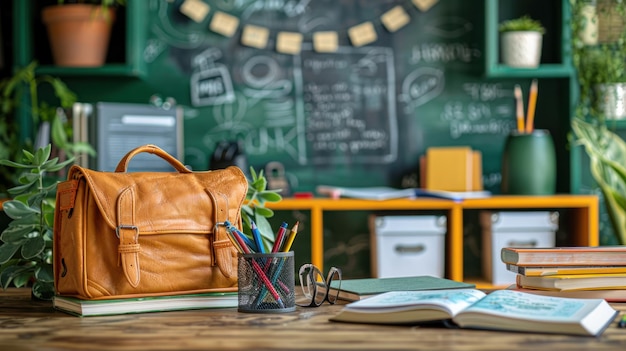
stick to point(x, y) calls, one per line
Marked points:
point(280, 237)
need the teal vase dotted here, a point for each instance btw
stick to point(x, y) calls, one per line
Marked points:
point(529, 164)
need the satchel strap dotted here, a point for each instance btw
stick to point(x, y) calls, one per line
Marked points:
point(222, 246)
point(128, 233)
point(122, 166)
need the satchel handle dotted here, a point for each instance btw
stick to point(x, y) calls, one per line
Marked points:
point(153, 149)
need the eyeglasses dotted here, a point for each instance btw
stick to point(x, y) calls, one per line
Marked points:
point(317, 289)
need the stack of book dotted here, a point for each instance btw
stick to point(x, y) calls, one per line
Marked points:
point(582, 272)
point(85, 308)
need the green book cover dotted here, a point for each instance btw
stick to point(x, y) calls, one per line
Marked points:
point(356, 289)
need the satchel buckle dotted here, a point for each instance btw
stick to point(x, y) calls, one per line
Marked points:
point(126, 226)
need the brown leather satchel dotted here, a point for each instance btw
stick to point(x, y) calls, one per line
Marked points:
point(120, 234)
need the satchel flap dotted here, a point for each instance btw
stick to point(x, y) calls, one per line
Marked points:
point(168, 202)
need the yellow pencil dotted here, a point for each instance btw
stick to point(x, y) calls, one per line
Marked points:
point(290, 238)
point(520, 108)
point(532, 102)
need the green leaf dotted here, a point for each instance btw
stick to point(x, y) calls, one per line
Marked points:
point(28, 156)
point(59, 136)
point(28, 178)
point(6, 277)
point(7, 251)
point(43, 290)
point(44, 273)
point(28, 220)
point(259, 184)
point(14, 164)
point(16, 209)
point(264, 211)
point(20, 189)
point(33, 247)
point(16, 234)
point(269, 196)
point(22, 278)
point(60, 166)
point(42, 155)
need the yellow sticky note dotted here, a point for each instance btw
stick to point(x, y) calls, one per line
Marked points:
point(289, 43)
point(424, 5)
point(195, 9)
point(325, 41)
point(224, 24)
point(255, 36)
point(362, 34)
point(395, 18)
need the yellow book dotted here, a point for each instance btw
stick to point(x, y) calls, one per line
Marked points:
point(449, 168)
point(564, 282)
point(531, 271)
point(477, 171)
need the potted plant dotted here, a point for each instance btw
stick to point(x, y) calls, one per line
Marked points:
point(599, 68)
point(26, 244)
point(22, 89)
point(79, 32)
point(608, 70)
point(521, 41)
point(25, 241)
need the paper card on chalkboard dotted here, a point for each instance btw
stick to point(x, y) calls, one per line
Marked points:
point(362, 34)
point(325, 41)
point(224, 24)
point(424, 5)
point(255, 36)
point(395, 19)
point(289, 43)
point(196, 10)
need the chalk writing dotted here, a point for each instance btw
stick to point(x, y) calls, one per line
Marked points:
point(421, 86)
point(349, 106)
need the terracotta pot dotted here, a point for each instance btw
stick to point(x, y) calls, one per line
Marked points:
point(78, 33)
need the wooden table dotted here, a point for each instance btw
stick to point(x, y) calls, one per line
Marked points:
point(34, 325)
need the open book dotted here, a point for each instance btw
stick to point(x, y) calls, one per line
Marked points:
point(387, 193)
point(471, 308)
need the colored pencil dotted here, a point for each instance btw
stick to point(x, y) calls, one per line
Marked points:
point(520, 108)
point(532, 102)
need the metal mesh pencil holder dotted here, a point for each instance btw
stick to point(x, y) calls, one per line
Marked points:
point(266, 282)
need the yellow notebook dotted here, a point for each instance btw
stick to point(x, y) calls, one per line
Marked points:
point(449, 168)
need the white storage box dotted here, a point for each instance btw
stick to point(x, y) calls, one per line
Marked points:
point(404, 246)
point(513, 229)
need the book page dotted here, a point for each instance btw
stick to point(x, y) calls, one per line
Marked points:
point(452, 301)
point(514, 304)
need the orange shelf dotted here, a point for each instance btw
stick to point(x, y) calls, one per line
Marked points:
point(585, 228)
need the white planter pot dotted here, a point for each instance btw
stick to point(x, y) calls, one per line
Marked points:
point(611, 100)
point(521, 49)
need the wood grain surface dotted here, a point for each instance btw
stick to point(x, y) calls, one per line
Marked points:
point(35, 325)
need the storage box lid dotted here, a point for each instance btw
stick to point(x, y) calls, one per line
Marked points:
point(410, 225)
point(526, 220)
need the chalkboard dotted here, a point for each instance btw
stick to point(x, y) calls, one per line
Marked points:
point(332, 117)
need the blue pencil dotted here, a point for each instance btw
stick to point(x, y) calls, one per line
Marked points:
point(257, 237)
point(243, 236)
